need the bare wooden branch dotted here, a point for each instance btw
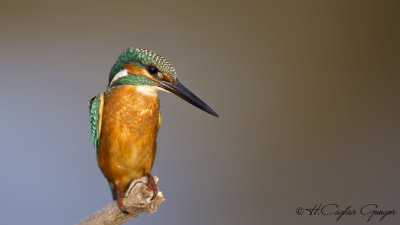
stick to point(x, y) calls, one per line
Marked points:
point(137, 200)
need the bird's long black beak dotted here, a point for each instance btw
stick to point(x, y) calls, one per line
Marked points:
point(184, 93)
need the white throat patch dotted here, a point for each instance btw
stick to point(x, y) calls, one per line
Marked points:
point(149, 90)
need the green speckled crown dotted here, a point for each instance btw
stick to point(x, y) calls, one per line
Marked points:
point(142, 57)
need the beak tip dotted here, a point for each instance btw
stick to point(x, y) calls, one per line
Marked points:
point(215, 114)
point(209, 110)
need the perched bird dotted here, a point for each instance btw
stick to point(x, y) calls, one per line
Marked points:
point(126, 117)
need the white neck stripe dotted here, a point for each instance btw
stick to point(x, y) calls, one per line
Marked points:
point(120, 74)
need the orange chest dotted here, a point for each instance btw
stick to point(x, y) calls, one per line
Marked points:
point(128, 136)
point(130, 113)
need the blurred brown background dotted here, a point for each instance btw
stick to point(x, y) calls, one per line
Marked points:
point(307, 92)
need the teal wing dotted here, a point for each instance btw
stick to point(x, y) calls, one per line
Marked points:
point(96, 111)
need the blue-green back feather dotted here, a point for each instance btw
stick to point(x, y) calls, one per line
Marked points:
point(95, 109)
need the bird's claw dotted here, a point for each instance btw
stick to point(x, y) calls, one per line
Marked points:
point(152, 186)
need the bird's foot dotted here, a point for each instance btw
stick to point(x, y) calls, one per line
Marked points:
point(151, 185)
point(119, 199)
point(121, 206)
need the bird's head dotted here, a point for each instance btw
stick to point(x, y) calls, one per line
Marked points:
point(142, 67)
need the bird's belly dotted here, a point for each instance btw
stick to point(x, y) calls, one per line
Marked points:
point(128, 134)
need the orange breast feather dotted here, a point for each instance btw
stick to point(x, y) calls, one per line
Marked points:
point(128, 137)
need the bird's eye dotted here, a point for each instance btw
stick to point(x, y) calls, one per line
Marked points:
point(152, 70)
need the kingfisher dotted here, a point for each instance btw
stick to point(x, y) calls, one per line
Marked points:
point(126, 117)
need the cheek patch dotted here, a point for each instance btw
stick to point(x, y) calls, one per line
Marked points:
point(135, 70)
